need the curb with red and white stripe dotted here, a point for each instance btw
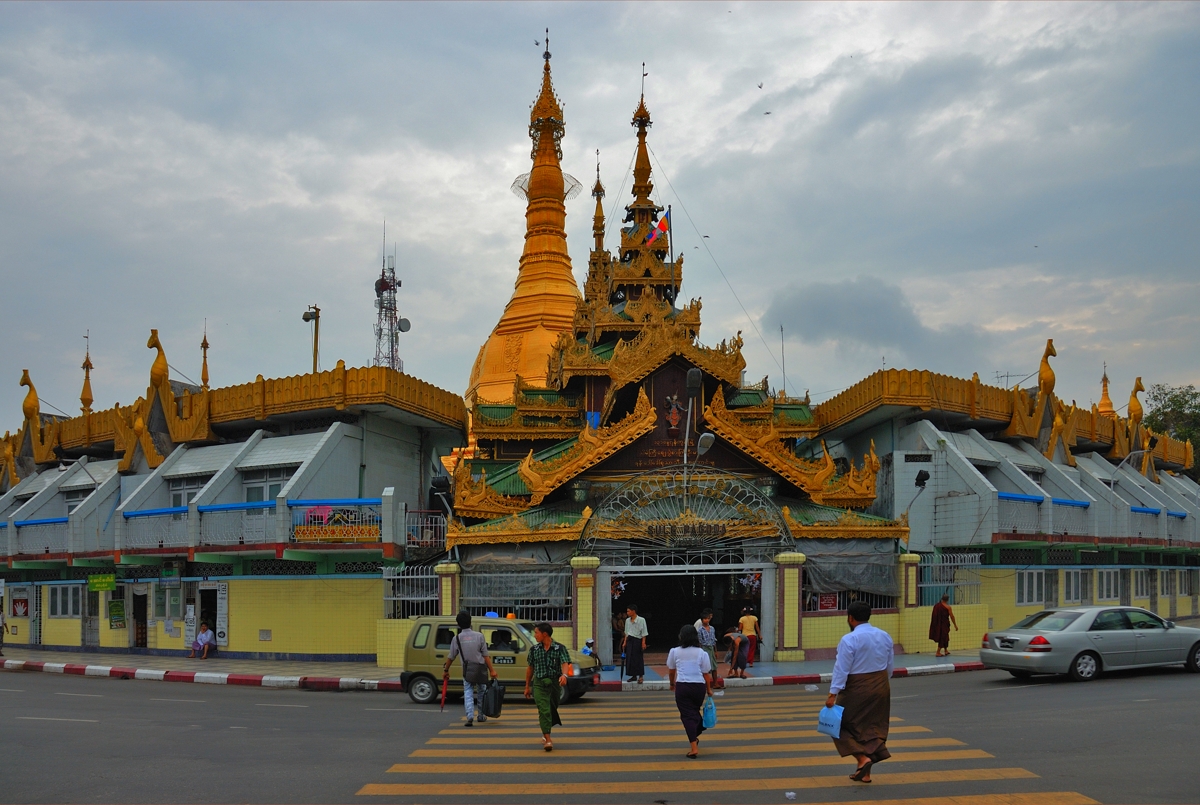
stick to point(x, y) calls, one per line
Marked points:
point(206, 678)
point(354, 683)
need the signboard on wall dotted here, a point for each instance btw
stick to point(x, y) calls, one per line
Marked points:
point(20, 603)
point(827, 602)
point(222, 614)
point(116, 614)
point(102, 582)
point(189, 625)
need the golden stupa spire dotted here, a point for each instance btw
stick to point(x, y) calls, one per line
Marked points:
point(642, 186)
point(1105, 408)
point(598, 217)
point(544, 299)
point(85, 396)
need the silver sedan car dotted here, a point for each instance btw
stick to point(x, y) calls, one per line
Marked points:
point(1084, 641)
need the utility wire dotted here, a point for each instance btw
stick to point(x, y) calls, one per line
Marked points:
point(712, 257)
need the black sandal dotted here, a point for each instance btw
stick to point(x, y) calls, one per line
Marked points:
point(862, 772)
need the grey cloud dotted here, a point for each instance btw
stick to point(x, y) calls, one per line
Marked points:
point(869, 314)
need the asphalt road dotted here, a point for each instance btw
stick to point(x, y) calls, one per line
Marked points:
point(984, 736)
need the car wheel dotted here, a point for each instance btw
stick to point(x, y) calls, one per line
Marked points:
point(422, 690)
point(1193, 660)
point(1021, 674)
point(564, 695)
point(1085, 667)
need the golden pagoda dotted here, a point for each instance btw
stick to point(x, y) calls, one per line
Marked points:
point(544, 299)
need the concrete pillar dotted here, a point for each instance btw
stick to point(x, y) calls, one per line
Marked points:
point(789, 603)
point(448, 590)
point(583, 596)
point(910, 592)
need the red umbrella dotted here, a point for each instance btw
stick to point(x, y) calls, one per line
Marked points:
point(445, 682)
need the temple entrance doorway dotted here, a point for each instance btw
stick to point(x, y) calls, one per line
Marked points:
point(675, 541)
point(669, 602)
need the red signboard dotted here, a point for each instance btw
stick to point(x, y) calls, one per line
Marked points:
point(827, 602)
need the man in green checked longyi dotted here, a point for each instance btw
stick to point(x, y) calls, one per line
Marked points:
point(549, 667)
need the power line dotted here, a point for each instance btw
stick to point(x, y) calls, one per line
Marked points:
point(712, 257)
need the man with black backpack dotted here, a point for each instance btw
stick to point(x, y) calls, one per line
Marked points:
point(477, 665)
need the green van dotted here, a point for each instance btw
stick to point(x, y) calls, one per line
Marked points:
point(508, 642)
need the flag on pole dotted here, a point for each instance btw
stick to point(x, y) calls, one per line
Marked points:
point(664, 224)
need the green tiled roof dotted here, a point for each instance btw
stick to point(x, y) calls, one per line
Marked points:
point(506, 480)
point(796, 412)
point(746, 397)
point(565, 513)
point(808, 513)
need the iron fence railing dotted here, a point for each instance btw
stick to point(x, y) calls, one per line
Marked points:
point(955, 575)
point(410, 591)
point(1070, 519)
point(839, 601)
point(1018, 516)
point(542, 595)
point(1143, 522)
point(337, 520)
point(238, 523)
point(156, 528)
point(425, 529)
point(42, 536)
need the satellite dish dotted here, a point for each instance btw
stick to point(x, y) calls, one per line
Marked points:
point(404, 325)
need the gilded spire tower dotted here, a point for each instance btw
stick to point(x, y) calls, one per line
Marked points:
point(545, 297)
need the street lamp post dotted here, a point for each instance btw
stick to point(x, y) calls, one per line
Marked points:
point(694, 379)
point(313, 314)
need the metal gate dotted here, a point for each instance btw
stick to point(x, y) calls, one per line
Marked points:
point(91, 619)
point(410, 591)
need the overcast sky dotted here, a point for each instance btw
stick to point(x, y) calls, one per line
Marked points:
point(933, 186)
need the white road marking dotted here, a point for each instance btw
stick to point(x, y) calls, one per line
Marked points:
point(1145, 700)
point(190, 701)
point(904, 697)
point(39, 718)
point(281, 705)
point(395, 710)
point(1018, 687)
point(88, 695)
point(239, 728)
point(11, 690)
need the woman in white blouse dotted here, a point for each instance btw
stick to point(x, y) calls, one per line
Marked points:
point(690, 672)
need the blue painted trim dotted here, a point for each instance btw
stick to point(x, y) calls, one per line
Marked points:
point(155, 512)
point(46, 521)
point(1145, 510)
point(1180, 515)
point(1079, 504)
point(4, 524)
point(337, 502)
point(231, 507)
point(1020, 498)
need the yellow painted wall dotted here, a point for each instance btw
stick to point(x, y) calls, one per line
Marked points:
point(791, 606)
point(59, 631)
point(826, 630)
point(998, 590)
point(391, 638)
point(564, 635)
point(914, 628)
point(318, 616)
point(585, 595)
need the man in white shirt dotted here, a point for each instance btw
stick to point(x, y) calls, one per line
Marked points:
point(636, 633)
point(861, 686)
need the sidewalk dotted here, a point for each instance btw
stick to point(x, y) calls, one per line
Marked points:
point(808, 672)
point(368, 676)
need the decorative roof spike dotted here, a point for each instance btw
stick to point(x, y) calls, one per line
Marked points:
point(31, 406)
point(547, 107)
point(85, 396)
point(642, 187)
point(204, 360)
point(598, 216)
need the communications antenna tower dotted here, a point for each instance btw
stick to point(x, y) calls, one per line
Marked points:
point(388, 323)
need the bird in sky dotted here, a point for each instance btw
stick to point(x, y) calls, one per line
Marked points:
point(537, 43)
point(706, 236)
point(766, 113)
point(760, 85)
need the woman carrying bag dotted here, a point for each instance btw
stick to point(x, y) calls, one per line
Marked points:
point(690, 673)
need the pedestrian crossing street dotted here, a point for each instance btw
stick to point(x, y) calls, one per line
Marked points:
point(765, 741)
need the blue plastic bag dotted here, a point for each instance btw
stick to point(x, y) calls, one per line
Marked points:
point(708, 715)
point(829, 721)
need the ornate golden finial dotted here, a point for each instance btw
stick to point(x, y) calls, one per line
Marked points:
point(204, 362)
point(1045, 373)
point(85, 396)
point(1135, 405)
point(159, 371)
point(642, 187)
point(598, 217)
point(7, 462)
point(31, 407)
point(1105, 408)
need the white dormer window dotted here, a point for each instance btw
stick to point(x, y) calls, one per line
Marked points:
point(74, 497)
point(265, 485)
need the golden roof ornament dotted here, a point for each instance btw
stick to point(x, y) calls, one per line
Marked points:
point(1045, 373)
point(1135, 405)
point(159, 370)
point(85, 396)
point(598, 217)
point(1105, 408)
point(30, 407)
point(204, 360)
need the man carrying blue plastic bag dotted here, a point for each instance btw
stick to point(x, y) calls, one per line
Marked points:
point(861, 686)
